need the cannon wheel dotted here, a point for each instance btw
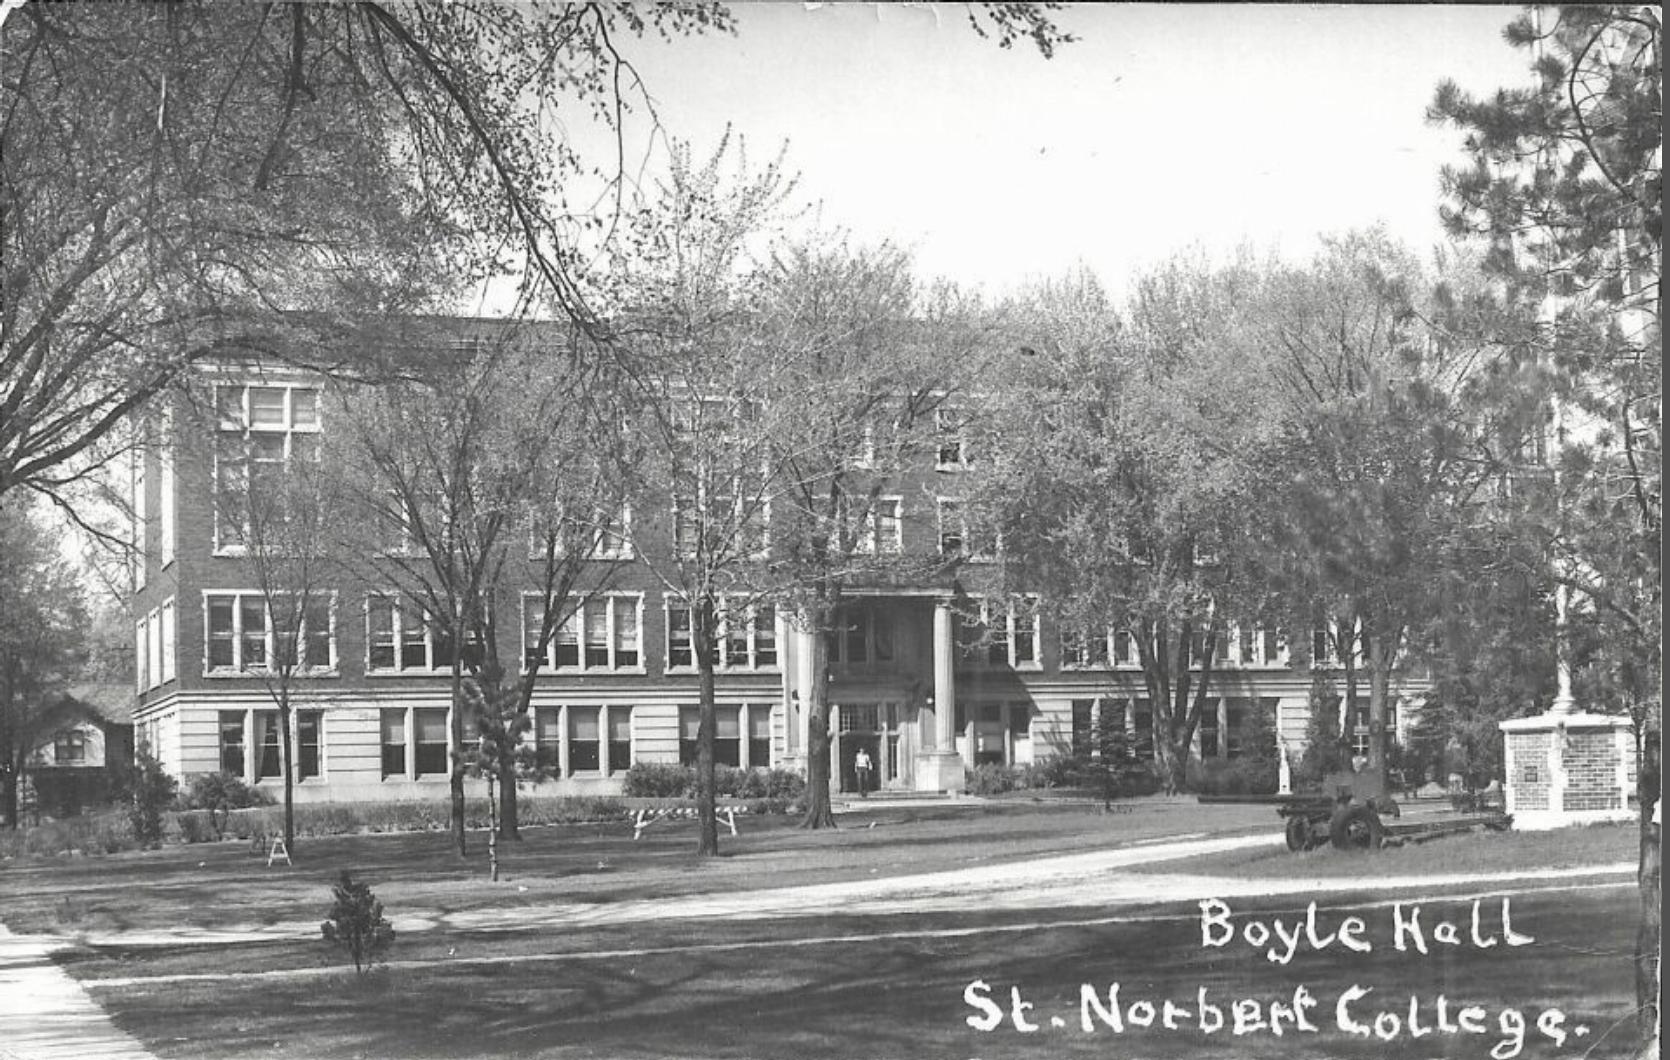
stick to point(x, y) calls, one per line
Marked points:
point(1355, 828)
point(1299, 835)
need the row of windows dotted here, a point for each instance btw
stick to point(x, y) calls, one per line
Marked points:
point(1244, 646)
point(568, 741)
point(153, 647)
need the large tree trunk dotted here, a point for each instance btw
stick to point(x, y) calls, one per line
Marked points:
point(1379, 694)
point(702, 633)
point(287, 763)
point(508, 828)
point(455, 727)
point(10, 781)
point(819, 812)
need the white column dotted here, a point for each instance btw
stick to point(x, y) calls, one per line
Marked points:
point(945, 687)
point(804, 678)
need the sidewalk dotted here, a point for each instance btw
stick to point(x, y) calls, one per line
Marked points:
point(44, 1014)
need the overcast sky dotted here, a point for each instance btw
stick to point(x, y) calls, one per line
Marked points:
point(1163, 126)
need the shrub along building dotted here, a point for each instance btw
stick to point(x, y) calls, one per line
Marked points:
point(928, 678)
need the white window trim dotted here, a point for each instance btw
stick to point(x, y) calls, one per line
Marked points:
point(577, 616)
point(941, 431)
point(244, 426)
point(165, 489)
point(170, 654)
point(565, 737)
point(673, 603)
point(401, 603)
point(237, 669)
point(986, 610)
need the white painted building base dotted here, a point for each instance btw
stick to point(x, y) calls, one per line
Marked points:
point(939, 771)
point(1560, 764)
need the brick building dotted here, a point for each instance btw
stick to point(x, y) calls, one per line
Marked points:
point(909, 683)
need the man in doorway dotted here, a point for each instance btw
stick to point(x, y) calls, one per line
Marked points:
point(861, 765)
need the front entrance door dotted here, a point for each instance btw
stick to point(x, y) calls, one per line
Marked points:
point(878, 728)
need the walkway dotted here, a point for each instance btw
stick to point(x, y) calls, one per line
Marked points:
point(44, 1014)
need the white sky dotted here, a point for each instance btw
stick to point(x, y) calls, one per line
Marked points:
point(1163, 126)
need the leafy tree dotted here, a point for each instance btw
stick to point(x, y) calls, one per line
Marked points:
point(43, 626)
point(154, 791)
point(863, 366)
point(1387, 453)
point(282, 515)
point(184, 175)
point(1565, 185)
point(499, 469)
point(685, 291)
point(1117, 475)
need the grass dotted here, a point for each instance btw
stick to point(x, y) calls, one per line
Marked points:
point(1479, 851)
point(227, 885)
point(737, 989)
point(834, 982)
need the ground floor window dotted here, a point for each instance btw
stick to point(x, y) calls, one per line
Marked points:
point(1209, 731)
point(268, 763)
point(232, 742)
point(309, 724)
point(429, 732)
point(394, 744)
point(583, 739)
point(731, 746)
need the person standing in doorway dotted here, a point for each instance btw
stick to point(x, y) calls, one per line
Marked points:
point(861, 765)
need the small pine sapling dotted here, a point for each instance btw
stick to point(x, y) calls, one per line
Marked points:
point(356, 923)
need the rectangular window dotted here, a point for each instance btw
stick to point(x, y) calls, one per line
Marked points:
point(612, 533)
point(1083, 651)
point(759, 735)
point(1083, 728)
point(400, 636)
point(681, 650)
point(165, 490)
point(889, 532)
point(1142, 730)
point(318, 633)
point(1209, 730)
point(140, 523)
point(689, 734)
point(141, 654)
point(309, 724)
point(429, 729)
point(620, 739)
point(727, 737)
point(69, 747)
point(394, 743)
point(169, 654)
point(232, 742)
point(584, 740)
point(953, 533)
point(262, 429)
point(268, 764)
point(1236, 736)
point(547, 736)
point(948, 426)
point(597, 634)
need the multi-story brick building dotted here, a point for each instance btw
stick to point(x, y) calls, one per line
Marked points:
point(372, 692)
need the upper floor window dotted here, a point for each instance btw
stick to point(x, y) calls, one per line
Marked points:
point(245, 634)
point(861, 635)
point(401, 636)
point(1002, 633)
point(260, 431)
point(1252, 646)
point(746, 639)
point(953, 527)
point(880, 530)
point(950, 451)
point(600, 633)
point(69, 747)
